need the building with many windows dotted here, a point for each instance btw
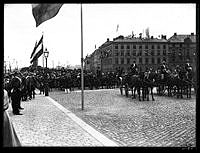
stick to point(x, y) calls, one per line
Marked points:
point(182, 48)
point(147, 52)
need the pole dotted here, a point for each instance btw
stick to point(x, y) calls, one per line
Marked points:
point(82, 77)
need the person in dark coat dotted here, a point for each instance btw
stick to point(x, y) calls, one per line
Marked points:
point(16, 95)
point(188, 66)
point(134, 68)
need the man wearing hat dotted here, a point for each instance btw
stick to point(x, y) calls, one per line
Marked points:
point(163, 67)
point(16, 94)
point(188, 66)
point(134, 68)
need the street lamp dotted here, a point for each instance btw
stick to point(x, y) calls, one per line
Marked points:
point(46, 88)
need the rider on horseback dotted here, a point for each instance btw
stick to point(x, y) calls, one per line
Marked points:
point(188, 68)
point(163, 69)
point(134, 68)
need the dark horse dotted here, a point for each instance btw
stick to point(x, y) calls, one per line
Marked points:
point(137, 83)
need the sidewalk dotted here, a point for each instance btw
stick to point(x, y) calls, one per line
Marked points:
point(46, 123)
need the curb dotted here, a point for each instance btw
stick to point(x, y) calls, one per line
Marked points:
point(97, 135)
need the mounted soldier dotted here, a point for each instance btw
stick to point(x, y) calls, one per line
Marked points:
point(163, 69)
point(134, 68)
point(188, 69)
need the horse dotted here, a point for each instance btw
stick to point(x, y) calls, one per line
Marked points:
point(132, 82)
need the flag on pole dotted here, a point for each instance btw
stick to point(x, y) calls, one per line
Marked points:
point(33, 50)
point(38, 54)
point(44, 12)
point(38, 50)
point(117, 28)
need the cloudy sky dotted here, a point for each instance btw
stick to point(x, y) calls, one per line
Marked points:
point(62, 34)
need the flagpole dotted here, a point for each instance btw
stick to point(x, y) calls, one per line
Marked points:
point(43, 51)
point(82, 77)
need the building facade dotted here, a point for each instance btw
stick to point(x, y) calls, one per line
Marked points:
point(181, 49)
point(147, 52)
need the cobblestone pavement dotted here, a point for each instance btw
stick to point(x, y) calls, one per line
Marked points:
point(44, 124)
point(167, 121)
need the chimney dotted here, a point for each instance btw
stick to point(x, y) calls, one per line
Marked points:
point(107, 39)
point(163, 37)
point(192, 34)
point(175, 34)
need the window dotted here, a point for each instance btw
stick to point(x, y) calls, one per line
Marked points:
point(164, 52)
point(152, 61)
point(128, 47)
point(146, 46)
point(164, 46)
point(140, 47)
point(152, 52)
point(134, 46)
point(134, 52)
point(158, 47)
point(146, 60)
point(116, 61)
point(128, 53)
point(116, 46)
point(158, 60)
point(122, 60)
point(188, 53)
point(128, 61)
point(152, 47)
point(146, 53)
point(122, 46)
point(116, 53)
point(140, 60)
point(158, 52)
point(110, 61)
point(140, 53)
point(122, 53)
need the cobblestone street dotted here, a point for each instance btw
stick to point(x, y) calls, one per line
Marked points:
point(167, 121)
point(44, 124)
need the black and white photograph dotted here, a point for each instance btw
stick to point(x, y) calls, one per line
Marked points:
point(100, 75)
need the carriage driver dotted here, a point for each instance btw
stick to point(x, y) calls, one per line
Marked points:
point(134, 68)
point(188, 66)
point(163, 68)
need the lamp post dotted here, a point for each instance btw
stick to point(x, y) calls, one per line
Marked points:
point(46, 88)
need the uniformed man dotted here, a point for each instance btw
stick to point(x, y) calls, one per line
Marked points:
point(16, 94)
point(188, 66)
point(134, 68)
point(163, 67)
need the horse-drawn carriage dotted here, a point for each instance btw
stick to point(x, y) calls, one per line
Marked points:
point(145, 82)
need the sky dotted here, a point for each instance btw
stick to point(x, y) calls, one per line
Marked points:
point(62, 34)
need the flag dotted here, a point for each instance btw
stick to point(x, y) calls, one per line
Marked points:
point(44, 12)
point(38, 54)
point(117, 28)
point(34, 50)
point(38, 50)
point(147, 33)
point(36, 46)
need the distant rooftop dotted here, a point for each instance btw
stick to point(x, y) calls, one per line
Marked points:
point(181, 38)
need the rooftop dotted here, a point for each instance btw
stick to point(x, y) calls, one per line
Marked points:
point(181, 38)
